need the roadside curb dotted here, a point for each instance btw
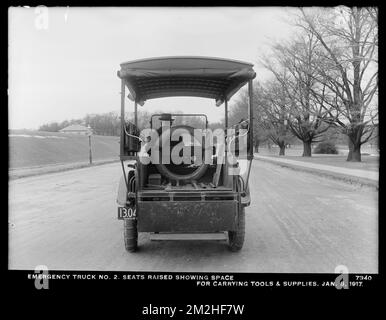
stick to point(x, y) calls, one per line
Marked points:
point(332, 175)
point(46, 170)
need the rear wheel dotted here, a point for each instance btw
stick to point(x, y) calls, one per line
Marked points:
point(130, 234)
point(236, 238)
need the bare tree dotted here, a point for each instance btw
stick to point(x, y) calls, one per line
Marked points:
point(143, 118)
point(103, 124)
point(293, 65)
point(272, 107)
point(239, 111)
point(349, 48)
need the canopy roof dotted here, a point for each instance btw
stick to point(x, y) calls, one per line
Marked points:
point(205, 77)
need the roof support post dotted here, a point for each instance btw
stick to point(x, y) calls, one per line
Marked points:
point(226, 128)
point(122, 140)
point(136, 114)
point(226, 114)
point(225, 169)
point(250, 112)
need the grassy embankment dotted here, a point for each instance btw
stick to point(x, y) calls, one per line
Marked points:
point(37, 148)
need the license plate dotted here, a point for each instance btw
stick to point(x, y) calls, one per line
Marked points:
point(127, 213)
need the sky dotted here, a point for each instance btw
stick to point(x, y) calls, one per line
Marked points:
point(63, 61)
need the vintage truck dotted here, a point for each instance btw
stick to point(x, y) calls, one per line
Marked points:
point(203, 196)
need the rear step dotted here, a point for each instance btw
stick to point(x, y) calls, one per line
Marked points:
point(215, 236)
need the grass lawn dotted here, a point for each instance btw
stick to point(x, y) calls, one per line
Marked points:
point(368, 162)
point(37, 148)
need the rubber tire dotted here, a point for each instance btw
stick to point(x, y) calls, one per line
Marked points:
point(130, 234)
point(195, 175)
point(236, 238)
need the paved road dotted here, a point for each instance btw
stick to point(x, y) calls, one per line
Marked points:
point(298, 222)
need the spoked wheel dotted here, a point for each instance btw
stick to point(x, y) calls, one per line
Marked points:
point(236, 238)
point(130, 234)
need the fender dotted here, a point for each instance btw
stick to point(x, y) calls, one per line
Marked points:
point(246, 197)
point(122, 192)
point(246, 200)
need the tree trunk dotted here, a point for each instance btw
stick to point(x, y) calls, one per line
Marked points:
point(282, 149)
point(306, 149)
point(354, 150)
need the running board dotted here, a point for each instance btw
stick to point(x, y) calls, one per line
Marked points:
point(215, 236)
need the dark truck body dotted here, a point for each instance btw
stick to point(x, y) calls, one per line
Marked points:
point(157, 198)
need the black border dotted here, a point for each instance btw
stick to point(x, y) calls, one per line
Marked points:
point(173, 291)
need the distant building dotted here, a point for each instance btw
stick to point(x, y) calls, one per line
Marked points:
point(76, 129)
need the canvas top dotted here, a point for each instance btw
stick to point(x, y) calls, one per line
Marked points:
point(206, 77)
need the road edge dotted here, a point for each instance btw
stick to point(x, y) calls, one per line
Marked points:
point(328, 174)
point(48, 170)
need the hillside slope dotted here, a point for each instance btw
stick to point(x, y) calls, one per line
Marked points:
point(39, 148)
